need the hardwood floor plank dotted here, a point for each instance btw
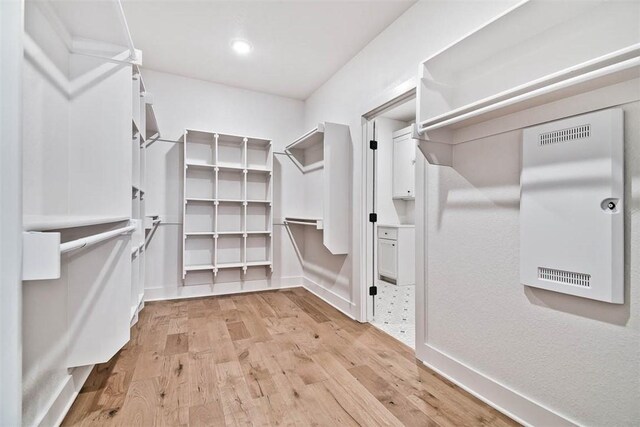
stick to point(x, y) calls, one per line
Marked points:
point(203, 381)
point(173, 389)
point(148, 365)
point(352, 395)
point(209, 414)
point(141, 405)
point(315, 313)
point(237, 403)
point(326, 410)
point(281, 358)
point(392, 399)
point(238, 331)
point(176, 343)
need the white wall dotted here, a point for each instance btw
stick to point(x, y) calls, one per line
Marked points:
point(182, 103)
point(577, 357)
point(11, 30)
point(389, 60)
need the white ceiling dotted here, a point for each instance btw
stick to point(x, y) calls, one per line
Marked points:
point(297, 45)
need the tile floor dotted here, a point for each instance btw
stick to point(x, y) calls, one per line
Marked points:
point(395, 312)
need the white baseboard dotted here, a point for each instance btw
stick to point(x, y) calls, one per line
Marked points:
point(496, 395)
point(331, 298)
point(195, 291)
point(67, 393)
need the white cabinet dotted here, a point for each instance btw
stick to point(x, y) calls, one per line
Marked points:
point(396, 254)
point(404, 160)
point(387, 258)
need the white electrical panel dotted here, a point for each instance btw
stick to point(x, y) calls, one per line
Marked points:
point(571, 206)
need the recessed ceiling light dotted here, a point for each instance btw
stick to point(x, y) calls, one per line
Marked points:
point(241, 47)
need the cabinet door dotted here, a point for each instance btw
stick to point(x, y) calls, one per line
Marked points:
point(404, 159)
point(387, 258)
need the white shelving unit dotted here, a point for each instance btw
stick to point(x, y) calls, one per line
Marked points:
point(79, 182)
point(323, 156)
point(534, 54)
point(227, 213)
point(144, 130)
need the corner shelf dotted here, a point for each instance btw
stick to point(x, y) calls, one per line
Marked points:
point(307, 151)
point(236, 172)
point(315, 222)
point(326, 151)
point(534, 54)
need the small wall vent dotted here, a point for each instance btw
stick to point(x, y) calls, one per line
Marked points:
point(565, 135)
point(564, 277)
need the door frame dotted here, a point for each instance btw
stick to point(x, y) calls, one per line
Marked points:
point(386, 101)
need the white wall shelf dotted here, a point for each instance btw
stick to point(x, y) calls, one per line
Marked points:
point(315, 222)
point(533, 54)
point(227, 208)
point(307, 151)
point(142, 116)
point(60, 222)
point(323, 155)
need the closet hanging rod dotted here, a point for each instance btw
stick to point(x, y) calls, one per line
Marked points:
point(92, 240)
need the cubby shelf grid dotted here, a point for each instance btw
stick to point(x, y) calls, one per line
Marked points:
point(227, 211)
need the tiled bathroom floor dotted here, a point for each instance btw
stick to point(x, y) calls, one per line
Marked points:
point(395, 312)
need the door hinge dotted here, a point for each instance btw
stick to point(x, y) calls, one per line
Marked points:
point(373, 291)
point(373, 144)
point(373, 217)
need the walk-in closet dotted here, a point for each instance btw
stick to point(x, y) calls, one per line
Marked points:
point(327, 213)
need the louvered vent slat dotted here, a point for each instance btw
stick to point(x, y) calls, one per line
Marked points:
point(565, 135)
point(564, 277)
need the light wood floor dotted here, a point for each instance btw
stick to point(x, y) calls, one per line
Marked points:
point(270, 358)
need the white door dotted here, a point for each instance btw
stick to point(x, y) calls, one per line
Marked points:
point(404, 157)
point(387, 258)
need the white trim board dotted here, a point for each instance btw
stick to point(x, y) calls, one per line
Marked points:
point(216, 289)
point(338, 302)
point(67, 393)
point(502, 398)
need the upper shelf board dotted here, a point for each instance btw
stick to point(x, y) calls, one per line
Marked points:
point(92, 27)
point(59, 222)
point(198, 135)
point(535, 53)
point(316, 222)
point(307, 151)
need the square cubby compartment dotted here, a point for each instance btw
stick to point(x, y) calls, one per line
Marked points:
point(258, 217)
point(230, 217)
point(200, 148)
point(258, 153)
point(230, 150)
point(198, 251)
point(230, 185)
point(230, 249)
point(199, 217)
point(258, 187)
point(200, 184)
point(258, 248)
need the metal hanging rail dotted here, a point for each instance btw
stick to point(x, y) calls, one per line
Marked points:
point(42, 251)
point(92, 240)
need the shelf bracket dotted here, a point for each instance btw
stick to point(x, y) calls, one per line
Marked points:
point(436, 153)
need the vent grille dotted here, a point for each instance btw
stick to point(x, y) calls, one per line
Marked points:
point(565, 135)
point(564, 277)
